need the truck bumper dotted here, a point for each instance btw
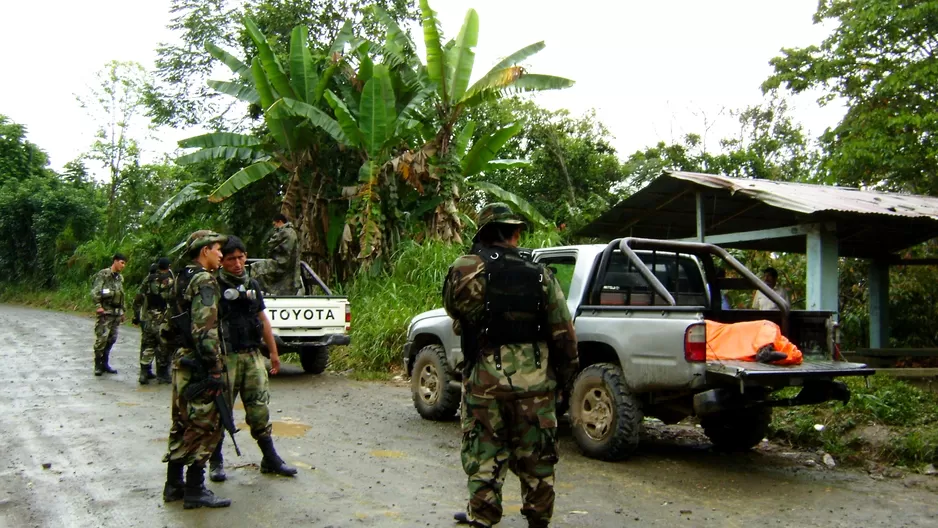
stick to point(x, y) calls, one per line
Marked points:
point(326, 340)
point(812, 392)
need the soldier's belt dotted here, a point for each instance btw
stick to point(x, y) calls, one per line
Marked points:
point(114, 311)
point(245, 350)
point(511, 396)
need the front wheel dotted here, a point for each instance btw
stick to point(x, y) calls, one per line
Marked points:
point(606, 417)
point(434, 396)
point(314, 359)
point(737, 430)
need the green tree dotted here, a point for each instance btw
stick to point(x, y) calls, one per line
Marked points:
point(181, 95)
point(19, 158)
point(880, 60)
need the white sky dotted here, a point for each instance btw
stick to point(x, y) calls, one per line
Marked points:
point(652, 70)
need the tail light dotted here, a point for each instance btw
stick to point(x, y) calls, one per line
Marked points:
point(695, 342)
point(348, 316)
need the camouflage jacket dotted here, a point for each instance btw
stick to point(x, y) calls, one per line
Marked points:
point(160, 284)
point(201, 298)
point(463, 298)
point(282, 247)
point(107, 290)
point(280, 273)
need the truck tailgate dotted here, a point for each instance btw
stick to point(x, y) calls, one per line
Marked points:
point(306, 315)
point(808, 369)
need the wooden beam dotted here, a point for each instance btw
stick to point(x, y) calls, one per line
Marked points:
point(762, 234)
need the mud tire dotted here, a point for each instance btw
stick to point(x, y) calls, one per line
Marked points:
point(314, 359)
point(606, 418)
point(737, 430)
point(434, 397)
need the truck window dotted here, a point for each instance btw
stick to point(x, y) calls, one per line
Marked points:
point(562, 268)
point(680, 275)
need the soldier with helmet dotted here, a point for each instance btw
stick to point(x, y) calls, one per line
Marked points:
point(196, 427)
point(520, 354)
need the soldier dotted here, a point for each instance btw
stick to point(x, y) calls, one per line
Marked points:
point(149, 311)
point(169, 341)
point(196, 428)
point(107, 290)
point(280, 273)
point(244, 325)
point(509, 312)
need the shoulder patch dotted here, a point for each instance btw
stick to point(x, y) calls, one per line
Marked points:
point(207, 293)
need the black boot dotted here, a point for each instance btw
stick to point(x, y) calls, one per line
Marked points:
point(272, 463)
point(106, 364)
point(145, 374)
point(463, 518)
point(162, 375)
point(197, 495)
point(175, 488)
point(98, 367)
point(216, 465)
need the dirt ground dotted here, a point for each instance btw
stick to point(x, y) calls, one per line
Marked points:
point(367, 459)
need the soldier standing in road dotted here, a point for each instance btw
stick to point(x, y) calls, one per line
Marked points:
point(107, 290)
point(196, 428)
point(520, 349)
point(244, 325)
point(280, 273)
point(149, 312)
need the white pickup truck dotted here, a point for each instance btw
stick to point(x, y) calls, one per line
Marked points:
point(309, 324)
point(639, 309)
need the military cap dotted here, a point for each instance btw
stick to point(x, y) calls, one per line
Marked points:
point(202, 238)
point(497, 213)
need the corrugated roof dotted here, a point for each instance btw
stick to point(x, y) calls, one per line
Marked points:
point(808, 198)
point(866, 223)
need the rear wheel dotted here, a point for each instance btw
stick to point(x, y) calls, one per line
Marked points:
point(737, 430)
point(434, 396)
point(606, 417)
point(314, 359)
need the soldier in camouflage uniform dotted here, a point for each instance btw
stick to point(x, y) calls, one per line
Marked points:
point(520, 349)
point(196, 428)
point(107, 290)
point(280, 273)
point(244, 326)
point(149, 312)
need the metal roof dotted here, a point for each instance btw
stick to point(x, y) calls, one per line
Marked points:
point(867, 223)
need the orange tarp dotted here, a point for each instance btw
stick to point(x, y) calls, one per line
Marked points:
point(741, 341)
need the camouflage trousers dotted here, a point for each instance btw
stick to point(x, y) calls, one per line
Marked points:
point(520, 435)
point(247, 377)
point(196, 428)
point(105, 335)
point(150, 346)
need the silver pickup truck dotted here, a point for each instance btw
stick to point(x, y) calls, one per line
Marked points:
point(640, 307)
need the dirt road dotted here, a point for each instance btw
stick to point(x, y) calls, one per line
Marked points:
point(365, 458)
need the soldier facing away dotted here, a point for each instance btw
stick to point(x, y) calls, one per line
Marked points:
point(196, 427)
point(244, 326)
point(107, 290)
point(280, 273)
point(149, 312)
point(520, 349)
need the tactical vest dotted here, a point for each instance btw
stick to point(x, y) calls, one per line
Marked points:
point(242, 327)
point(181, 317)
point(155, 301)
point(515, 305)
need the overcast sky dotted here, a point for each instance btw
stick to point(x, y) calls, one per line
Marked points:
point(653, 70)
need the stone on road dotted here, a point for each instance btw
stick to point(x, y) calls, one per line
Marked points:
point(85, 451)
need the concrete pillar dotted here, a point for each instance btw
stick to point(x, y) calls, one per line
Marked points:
point(700, 217)
point(822, 270)
point(879, 304)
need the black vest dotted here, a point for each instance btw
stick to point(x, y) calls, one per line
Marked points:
point(242, 327)
point(155, 301)
point(515, 304)
point(180, 334)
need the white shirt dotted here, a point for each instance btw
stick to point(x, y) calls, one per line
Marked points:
point(762, 302)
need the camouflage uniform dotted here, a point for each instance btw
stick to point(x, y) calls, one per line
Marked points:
point(107, 290)
point(280, 274)
point(150, 316)
point(508, 405)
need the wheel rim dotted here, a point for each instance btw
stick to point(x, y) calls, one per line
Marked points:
point(596, 413)
point(429, 384)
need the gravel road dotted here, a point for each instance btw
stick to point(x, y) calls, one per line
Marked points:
point(84, 451)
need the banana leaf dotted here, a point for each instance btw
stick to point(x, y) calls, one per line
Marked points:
point(376, 111)
point(323, 83)
point(285, 108)
point(346, 121)
point(519, 204)
point(461, 142)
point(436, 69)
point(282, 134)
point(215, 153)
point(463, 57)
point(237, 90)
point(190, 193)
point(301, 65)
point(508, 164)
point(237, 66)
point(512, 80)
point(486, 148)
point(412, 110)
point(344, 36)
point(518, 56)
point(220, 139)
point(242, 178)
point(278, 79)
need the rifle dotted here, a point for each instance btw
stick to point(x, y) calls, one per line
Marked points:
point(208, 383)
